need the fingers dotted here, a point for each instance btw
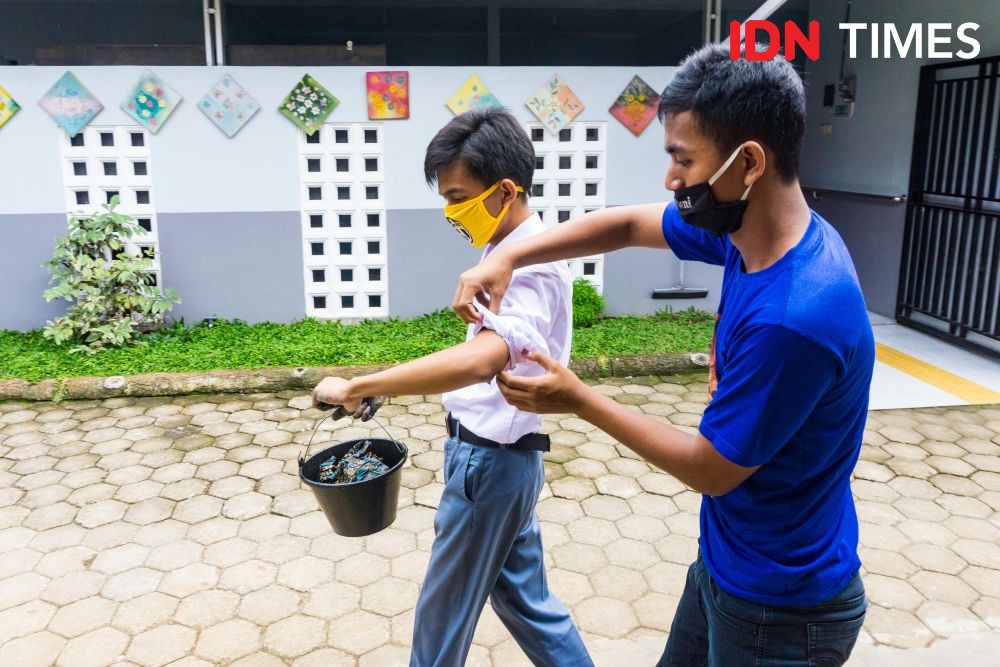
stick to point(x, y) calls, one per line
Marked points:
point(370, 406)
point(462, 303)
point(543, 360)
point(495, 298)
point(516, 382)
point(520, 399)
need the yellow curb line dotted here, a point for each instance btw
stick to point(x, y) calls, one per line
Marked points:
point(972, 393)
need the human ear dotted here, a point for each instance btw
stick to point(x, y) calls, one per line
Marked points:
point(754, 160)
point(509, 189)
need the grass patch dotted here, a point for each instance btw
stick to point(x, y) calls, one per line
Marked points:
point(234, 344)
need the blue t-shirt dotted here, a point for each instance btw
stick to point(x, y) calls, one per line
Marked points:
point(793, 354)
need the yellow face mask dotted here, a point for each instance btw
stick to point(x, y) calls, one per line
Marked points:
point(472, 220)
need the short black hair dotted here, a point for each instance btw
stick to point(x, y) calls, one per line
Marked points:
point(490, 143)
point(733, 101)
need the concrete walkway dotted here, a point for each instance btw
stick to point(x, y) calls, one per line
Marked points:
point(159, 531)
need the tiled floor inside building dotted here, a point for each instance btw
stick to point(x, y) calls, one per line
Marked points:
point(915, 370)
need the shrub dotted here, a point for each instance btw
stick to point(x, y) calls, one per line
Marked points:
point(588, 304)
point(109, 289)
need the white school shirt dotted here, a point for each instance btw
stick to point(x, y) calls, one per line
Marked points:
point(536, 314)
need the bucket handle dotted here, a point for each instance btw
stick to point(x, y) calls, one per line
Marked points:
point(338, 412)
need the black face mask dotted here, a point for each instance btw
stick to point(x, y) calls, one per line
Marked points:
point(698, 207)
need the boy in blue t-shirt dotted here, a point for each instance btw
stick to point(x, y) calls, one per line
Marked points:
point(777, 577)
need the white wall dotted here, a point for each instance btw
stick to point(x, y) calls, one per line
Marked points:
point(871, 151)
point(197, 169)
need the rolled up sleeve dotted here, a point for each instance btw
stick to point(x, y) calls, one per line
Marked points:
point(522, 317)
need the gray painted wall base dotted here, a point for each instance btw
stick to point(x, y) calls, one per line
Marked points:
point(28, 241)
point(872, 229)
point(631, 275)
point(234, 265)
point(426, 257)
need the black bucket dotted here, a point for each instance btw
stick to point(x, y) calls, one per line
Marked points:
point(359, 508)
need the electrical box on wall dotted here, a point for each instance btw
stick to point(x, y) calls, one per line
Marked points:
point(843, 110)
point(847, 88)
point(829, 92)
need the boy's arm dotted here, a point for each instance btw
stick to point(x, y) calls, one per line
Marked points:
point(600, 231)
point(471, 362)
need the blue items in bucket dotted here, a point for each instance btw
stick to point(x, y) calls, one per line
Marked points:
point(359, 464)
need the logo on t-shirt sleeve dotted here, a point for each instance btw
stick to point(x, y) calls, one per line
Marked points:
point(713, 378)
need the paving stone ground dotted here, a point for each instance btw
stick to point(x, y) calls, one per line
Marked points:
point(163, 531)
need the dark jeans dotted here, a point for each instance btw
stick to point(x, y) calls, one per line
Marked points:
point(714, 628)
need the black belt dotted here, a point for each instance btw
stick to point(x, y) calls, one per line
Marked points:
point(533, 442)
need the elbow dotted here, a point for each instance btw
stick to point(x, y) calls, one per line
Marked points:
point(714, 488)
point(481, 370)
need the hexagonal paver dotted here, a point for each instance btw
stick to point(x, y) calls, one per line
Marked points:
point(362, 569)
point(161, 645)
point(186, 518)
point(332, 600)
point(606, 617)
point(295, 636)
point(228, 640)
point(358, 632)
point(249, 576)
point(620, 583)
point(389, 596)
point(207, 608)
point(98, 648)
point(246, 506)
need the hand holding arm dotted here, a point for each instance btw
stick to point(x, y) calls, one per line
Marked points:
point(691, 459)
point(593, 233)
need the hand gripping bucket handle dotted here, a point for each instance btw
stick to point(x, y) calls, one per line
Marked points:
point(358, 508)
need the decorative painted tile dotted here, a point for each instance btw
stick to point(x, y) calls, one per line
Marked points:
point(70, 104)
point(472, 95)
point(636, 106)
point(308, 105)
point(388, 95)
point(8, 107)
point(555, 104)
point(151, 102)
point(229, 106)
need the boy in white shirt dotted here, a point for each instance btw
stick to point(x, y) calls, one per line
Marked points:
point(487, 539)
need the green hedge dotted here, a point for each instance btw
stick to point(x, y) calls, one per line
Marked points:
point(234, 344)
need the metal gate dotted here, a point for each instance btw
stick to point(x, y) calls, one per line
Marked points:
point(949, 282)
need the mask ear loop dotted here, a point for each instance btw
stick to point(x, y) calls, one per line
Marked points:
point(503, 211)
point(725, 166)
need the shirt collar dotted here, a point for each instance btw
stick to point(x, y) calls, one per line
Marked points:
point(532, 225)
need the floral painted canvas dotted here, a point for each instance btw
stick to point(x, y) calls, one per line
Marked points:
point(308, 105)
point(388, 95)
point(636, 105)
point(228, 106)
point(151, 102)
point(472, 95)
point(70, 104)
point(8, 107)
point(555, 104)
